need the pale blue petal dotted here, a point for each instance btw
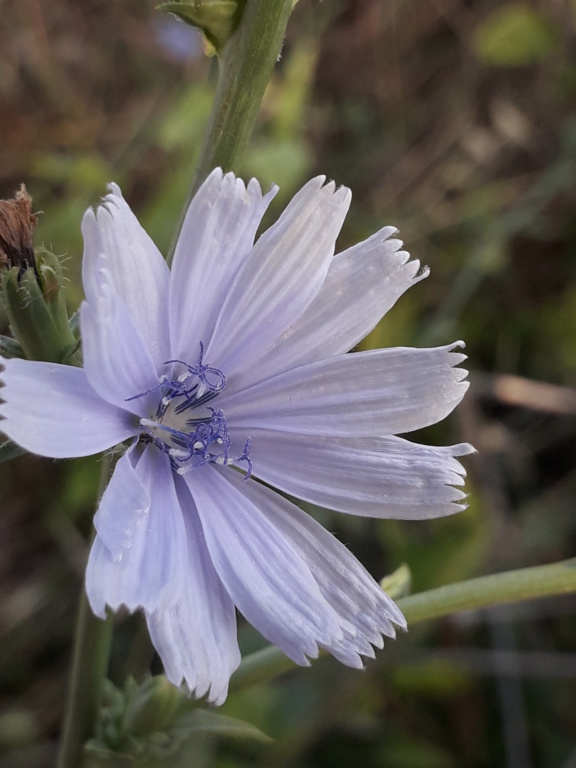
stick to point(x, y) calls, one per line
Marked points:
point(196, 638)
point(362, 284)
point(116, 359)
point(139, 558)
point(365, 612)
point(217, 234)
point(385, 477)
point(266, 578)
point(280, 277)
point(52, 410)
point(380, 392)
point(114, 238)
point(123, 508)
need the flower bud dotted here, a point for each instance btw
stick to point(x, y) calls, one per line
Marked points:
point(153, 708)
point(32, 284)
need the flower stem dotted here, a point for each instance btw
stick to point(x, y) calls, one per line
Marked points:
point(92, 639)
point(89, 668)
point(486, 591)
point(245, 65)
point(483, 592)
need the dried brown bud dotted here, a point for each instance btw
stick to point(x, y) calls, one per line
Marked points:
point(17, 224)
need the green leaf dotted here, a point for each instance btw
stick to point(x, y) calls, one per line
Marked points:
point(153, 723)
point(10, 450)
point(514, 36)
point(206, 722)
point(74, 324)
point(398, 583)
point(152, 707)
point(10, 347)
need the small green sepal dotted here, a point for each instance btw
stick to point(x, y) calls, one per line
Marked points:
point(9, 451)
point(155, 724)
point(50, 269)
point(10, 347)
point(153, 707)
point(36, 309)
point(398, 583)
point(217, 19)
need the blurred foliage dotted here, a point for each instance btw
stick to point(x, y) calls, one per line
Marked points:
point(454, 120)
point(515, 35)
point(154, 724)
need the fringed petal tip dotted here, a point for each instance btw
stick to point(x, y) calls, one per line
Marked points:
point(210, 679)
point(456, 451)
point(113, 197)
point(327, 187)
point(214, 693)
point(254, 189)
point(461, 374)
point(199, 675)
point(457, 471)
point(462, 449)
point(115, 205)
point(422, 273)
point(455, 345)
point(388, 232)
point(459, 503)
point(398, 619)
point(458, 506)
point(90, 217)
point(355, 646)
point(101, 605)
point(114, 190)
point(344, 196)
point(217, 178)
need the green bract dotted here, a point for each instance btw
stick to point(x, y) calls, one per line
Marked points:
point(216, 18)
point(36, 308)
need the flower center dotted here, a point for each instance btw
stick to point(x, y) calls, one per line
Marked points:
point(185, 426)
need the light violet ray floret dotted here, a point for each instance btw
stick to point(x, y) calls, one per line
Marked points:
point(230, 369)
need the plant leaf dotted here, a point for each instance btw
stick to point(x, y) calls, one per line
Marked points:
point(206, 722)
point(10, 450)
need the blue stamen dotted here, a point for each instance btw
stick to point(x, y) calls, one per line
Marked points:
point(210, 378)
point(148, 391)
point(206, 439)
point(246, 457)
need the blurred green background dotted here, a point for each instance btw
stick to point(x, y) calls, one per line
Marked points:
point(454, 120)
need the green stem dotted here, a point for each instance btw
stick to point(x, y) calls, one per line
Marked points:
point(92, 639)
point(486, 591)
point(89, 667)
point(483, 592)
point(245, 65)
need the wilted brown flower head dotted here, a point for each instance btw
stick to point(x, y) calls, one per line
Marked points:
point(17, 224)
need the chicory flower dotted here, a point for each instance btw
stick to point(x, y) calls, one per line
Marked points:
point(230, 369)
